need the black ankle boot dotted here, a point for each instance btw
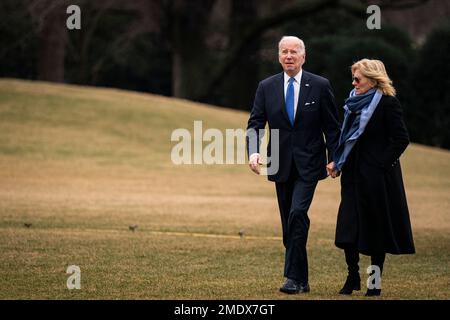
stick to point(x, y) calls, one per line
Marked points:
point(373, 292)
point(353, 282)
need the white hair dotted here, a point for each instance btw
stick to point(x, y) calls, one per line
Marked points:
point(299, 41)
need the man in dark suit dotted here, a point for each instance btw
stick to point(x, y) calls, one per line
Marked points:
point(301, 106)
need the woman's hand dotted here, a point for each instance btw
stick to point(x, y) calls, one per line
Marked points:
point(332, 170)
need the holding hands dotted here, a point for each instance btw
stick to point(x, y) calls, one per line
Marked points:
point(332, 170)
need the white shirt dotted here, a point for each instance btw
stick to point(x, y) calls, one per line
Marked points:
point(297, 81)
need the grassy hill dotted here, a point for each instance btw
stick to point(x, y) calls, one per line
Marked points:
point(83, 164)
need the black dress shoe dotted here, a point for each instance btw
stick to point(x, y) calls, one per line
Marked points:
point(292, 287)
point(373, 292)
point(352, 283)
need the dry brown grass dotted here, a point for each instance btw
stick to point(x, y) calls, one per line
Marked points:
point(82, 164)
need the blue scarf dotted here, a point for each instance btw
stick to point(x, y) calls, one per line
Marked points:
point(358, 111)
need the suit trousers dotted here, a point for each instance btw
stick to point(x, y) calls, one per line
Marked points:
point(294, 199)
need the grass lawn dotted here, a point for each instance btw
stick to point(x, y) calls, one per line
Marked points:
point(83, 164)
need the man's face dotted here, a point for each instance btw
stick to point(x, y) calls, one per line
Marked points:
point(290, 57)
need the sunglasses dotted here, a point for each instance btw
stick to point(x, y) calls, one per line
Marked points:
point(356, 79)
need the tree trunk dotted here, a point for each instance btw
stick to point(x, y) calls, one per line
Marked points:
point(189, 56)
point(52, 42)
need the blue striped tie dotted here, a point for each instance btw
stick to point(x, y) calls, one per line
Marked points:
point(290, 100)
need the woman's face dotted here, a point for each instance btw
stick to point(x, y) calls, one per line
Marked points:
point(361, 83)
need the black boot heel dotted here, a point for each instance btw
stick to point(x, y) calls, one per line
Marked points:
point(352, 283)
point(373, 292)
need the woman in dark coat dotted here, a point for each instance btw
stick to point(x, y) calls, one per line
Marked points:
point(373, 217)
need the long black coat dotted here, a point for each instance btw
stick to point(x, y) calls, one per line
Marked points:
point(373, 214)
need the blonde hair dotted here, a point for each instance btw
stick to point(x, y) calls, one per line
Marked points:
point(374, 70)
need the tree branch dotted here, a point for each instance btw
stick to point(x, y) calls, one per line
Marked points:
point(396, 4)
point(257, 29)
point(356, 8)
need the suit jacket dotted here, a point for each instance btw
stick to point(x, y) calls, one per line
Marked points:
point(301, 144)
